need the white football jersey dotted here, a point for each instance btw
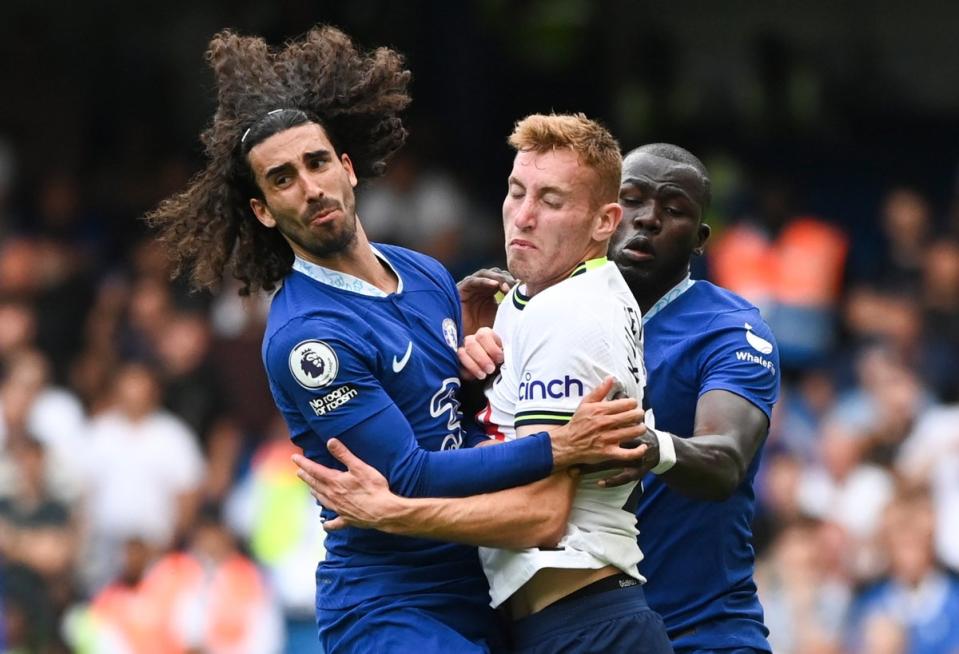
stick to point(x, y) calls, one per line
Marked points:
point(558, 346)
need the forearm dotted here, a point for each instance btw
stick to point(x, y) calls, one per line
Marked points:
point(386, 442)
point(708, 467)
point(516, 518)
point(727, 434)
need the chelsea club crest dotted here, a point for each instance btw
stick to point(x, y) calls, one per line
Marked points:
point(449, 333)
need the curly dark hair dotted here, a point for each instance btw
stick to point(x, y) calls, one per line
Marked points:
point(356, 96)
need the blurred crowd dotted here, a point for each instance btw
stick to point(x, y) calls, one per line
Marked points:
point(857, 531)
point(147, 498)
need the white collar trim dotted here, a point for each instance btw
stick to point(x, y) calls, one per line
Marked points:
point(344, 281)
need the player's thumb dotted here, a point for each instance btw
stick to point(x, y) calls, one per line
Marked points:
point(601, 391)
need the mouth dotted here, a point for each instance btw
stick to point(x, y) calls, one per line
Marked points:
point(322, 216)
point(520, 244)
point(638, 249)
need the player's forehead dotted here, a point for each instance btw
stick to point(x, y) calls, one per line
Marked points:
point(556, 167)
point(643, 168)
point(289, 145)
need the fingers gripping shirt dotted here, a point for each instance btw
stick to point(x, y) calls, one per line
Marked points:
point(559, 345)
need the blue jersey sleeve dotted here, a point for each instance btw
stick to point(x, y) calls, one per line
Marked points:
point(326, 388)
point(741, 357)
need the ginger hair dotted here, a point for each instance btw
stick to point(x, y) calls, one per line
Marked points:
point(592, 143)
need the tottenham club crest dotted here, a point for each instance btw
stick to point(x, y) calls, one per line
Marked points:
point(449, 333)
point(313, 364)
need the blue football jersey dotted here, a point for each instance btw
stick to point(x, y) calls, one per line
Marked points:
point(339, 353)
point(699, 555)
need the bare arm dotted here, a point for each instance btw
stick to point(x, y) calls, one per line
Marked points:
point(727, 432)
point(526, 516)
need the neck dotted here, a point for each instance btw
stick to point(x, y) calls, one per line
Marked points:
point(359, 261)
point(647, 293)
point(590, 254)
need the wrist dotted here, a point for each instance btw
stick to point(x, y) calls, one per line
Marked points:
point(397, 516)
point(562, 455)
point(667, 452)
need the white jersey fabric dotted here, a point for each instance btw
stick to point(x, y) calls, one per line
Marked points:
point(558, 346)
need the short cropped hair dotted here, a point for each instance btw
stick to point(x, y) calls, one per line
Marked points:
point(593, 144)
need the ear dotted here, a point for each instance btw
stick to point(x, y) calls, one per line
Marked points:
point(262, 212)
point(702, 235)
point(607, 220)
point(348, 165)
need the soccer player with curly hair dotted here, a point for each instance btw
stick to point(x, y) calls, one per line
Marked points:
point(361, 341)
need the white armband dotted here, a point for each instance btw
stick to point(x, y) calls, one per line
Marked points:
point(667, 452)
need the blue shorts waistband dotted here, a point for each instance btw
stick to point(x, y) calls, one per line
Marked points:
point(575, 615)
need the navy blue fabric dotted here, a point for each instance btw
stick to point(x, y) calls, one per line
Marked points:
point(421, 623)
point(615, 621)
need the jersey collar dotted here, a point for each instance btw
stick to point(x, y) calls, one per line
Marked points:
point(520, 299)
point(669, 297)
point(344, 281)
point(589, 264)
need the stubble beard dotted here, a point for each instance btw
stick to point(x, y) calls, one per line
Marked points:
point(340, 239)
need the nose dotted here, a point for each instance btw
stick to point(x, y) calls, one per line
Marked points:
point(646, 217)
point(312, 188)
point(524, 217)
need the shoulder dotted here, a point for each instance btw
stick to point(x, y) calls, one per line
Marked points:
point(559, 313)
point(717, 311)
point(406, 260)
point(583, 298)
point(707, 296)
point(578, 315)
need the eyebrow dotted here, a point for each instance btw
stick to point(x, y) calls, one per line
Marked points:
point(670, 188)
point(322, 153)
point(282, 168)
point(542, 190)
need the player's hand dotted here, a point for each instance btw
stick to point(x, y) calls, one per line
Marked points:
point(632, 471)
point(480, 354)
point(360, 495)
point(598, 430)
point(478, 297)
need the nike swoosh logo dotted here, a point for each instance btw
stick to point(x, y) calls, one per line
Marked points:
point(399, 365)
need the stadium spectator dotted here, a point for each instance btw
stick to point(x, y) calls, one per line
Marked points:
point(791, 266)
point(421, 209)
point(144, 473)
point(930, 455)
point(275, 515)
point(38, 540)
point(896, 261)
point(213, 599)
point(195, 391)
point(917, 593)
point(804, 604)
